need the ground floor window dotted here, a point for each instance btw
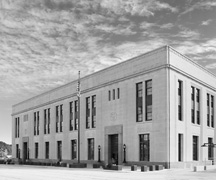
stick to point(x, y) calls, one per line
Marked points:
point(144, 143)
point(91, 149)
point(59, 150)
point(47, 150)
point(73, 149)
point(17, 151)
point(36, 150)
point(210, 149)
point(180, 147)
point(195, 148)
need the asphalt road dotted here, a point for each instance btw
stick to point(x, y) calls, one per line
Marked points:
point(21, 172)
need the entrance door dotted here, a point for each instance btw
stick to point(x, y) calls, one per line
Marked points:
point(113, 149)
point(25, 151)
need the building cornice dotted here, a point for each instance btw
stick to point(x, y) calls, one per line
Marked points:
point(191, 61)
point(92, 89)
point(98, 73)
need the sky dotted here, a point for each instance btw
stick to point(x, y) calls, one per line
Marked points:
point(44, 43)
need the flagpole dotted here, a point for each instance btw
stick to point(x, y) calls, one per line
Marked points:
point(78, 95)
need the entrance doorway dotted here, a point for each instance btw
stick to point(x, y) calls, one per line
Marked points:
point(25, 151)
point(113, 149)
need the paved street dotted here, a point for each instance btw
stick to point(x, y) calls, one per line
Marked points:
point(16, 172)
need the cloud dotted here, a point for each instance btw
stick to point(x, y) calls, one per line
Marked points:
point(206, 5)
point(205, 23)
point(202, 51)
point(185, 32)
point(136, 7)
point(119, 29)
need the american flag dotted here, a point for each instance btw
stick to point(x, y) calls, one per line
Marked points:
point(78, 86)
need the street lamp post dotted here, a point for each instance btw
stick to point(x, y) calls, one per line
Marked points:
point(99, 148)
point(28, 154)
point(211, 145)
point(78, 95)
point(124, 149)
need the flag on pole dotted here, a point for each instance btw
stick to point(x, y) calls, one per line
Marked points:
point(78, 86)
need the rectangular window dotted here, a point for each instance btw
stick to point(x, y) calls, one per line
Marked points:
point(109, 94)
point(180, 147)
point(208, 110)
point(118, 93)
point(195, 148)
point(87, 112)
point(36, 150)
point(94, 111)
point(91, 149)
point(198, 105)
point(180, 100)
point(17, 150)
point(76, 115)
point(35, 122)
point(210, 149)
point(38, 120)
point(61, 118)
point(113, 94)
point(139, 102)
point(17, 127)
point(192, 104)
point(45, 121)
point(148, 100)
point(57, 118)
point(73, 149)
point(47, 150)
point(144, 147)
point(212, 111)
point(59, 150)
point(71, 125)
point(48, 128)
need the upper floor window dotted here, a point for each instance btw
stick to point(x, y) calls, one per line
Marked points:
point(148, 100)
point(192, 104)
point(17, 127)
point(88, 112)
point(71, 125)
point(94, 111)
point(180, 100)
point(36, 123)
point(198, 106)
point(210, 110)
point(61, 118)
point(76, 115)
point(139, 102)
point(57, 119)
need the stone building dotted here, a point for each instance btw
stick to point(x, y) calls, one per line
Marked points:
point(157, 108)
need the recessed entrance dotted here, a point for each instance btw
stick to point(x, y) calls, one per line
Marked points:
point(113, 149)
point(25, 151)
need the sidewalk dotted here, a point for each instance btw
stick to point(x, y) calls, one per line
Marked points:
point(25, 172)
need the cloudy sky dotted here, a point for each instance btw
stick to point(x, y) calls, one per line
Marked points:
point(43, 43)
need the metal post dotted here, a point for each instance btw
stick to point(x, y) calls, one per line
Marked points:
point(99, 148)
point(28, 154)
point(124, 149)
point(78, 129)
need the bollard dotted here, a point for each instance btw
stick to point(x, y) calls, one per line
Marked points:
point(134, 168)
point(159, 167)
point(144, 168)
point(152, 168)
